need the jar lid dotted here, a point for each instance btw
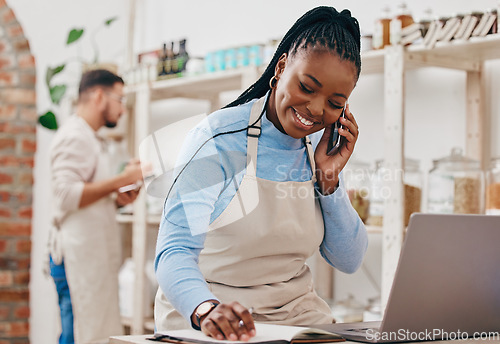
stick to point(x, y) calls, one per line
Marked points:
point(457, 160)
point(495, 162)
point(357, 164)
point(409, 164)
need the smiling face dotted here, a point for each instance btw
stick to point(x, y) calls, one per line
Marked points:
point(313, 87)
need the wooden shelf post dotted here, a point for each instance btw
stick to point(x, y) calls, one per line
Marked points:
point(394, 165)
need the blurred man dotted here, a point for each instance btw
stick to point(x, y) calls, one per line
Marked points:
point(85, 245)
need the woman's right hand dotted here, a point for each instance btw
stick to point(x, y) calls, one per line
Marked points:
point(230, 321)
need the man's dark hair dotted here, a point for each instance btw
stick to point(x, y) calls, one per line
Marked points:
point(320, 27)
point(98, 77)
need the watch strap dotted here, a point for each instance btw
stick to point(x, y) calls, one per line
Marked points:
point(197, 323)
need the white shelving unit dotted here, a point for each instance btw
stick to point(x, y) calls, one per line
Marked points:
point(393, 62)
point(468, 56)
point(207, 87)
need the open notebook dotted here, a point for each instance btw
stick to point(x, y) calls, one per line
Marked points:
point(266, 333)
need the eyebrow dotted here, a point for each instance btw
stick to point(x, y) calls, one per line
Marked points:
point(320, 85)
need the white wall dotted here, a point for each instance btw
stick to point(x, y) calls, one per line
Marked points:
point(46, 25)
point(435, 103)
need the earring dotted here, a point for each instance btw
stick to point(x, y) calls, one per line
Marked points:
point(273, 82)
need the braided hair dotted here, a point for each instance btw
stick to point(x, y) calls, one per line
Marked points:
point(322, 26)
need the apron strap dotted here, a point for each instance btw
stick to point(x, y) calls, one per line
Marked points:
point(310, 156)
point(253, 133)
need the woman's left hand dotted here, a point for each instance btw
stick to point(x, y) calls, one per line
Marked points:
point(328, 167)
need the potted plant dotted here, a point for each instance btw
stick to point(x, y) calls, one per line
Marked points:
point(58, 90)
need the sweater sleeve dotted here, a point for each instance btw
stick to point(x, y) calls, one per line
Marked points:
point(185, 221)
point(346, 240)
point(73, 164)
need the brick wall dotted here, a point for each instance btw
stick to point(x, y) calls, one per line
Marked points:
point(18, 118)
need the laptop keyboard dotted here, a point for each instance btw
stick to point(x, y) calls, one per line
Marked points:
point(364, 330)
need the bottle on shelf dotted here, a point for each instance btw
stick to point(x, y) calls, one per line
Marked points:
point(174, 64)
point(161, 61)
point(381, 32)
point(169, 58)
point(399, 22)
point(182, 56)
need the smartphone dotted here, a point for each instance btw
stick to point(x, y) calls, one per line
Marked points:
point(336, 140)
point(130, 187)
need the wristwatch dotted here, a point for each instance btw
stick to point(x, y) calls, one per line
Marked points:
point(202, 310)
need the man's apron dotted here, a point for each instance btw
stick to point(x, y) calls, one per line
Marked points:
point(91, 249)
point(259, 258)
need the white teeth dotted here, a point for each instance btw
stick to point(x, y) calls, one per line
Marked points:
point(303, 120)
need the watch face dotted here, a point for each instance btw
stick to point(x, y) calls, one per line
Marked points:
point(204, 308)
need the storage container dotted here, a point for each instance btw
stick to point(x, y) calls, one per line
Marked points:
point(357, 183)
point(381, 191)
point(493, 188)
point(456, 185)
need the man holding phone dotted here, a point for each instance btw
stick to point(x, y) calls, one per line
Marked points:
point(84, 242)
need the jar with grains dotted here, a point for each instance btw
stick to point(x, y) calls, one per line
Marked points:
point(456, 185)
point(357, 183)
point(493, 188)
point(380, 190)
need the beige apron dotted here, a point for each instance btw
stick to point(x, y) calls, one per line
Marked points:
point(258, 258)
point(91, 247)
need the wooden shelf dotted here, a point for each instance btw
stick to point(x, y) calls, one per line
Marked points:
point(149, 324)
point(374, 229)
point(203, 86)
point(462, 55)
point(129, 219)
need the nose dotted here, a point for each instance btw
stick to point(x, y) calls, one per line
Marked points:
point(315, 107)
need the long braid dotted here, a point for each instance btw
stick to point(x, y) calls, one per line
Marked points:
point(321, 26)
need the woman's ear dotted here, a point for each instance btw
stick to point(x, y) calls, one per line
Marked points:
point(280, 66)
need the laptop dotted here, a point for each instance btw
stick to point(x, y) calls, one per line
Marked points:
point(446, 286)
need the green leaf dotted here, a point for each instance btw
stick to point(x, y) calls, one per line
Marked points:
point(110, 20)
point(51, 72)
point(48, 120)
point(56, 93)
point(74, 35)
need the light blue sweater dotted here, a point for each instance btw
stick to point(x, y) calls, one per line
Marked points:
point(209, 182)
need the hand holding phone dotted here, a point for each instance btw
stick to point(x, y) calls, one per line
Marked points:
point(335, 141)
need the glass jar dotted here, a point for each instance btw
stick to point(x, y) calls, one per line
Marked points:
point(381, 33)
point(412, 189)
point(402, 20)
point(493, 188)
point(380, 190)
point(456, 185)
point(357, 183)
